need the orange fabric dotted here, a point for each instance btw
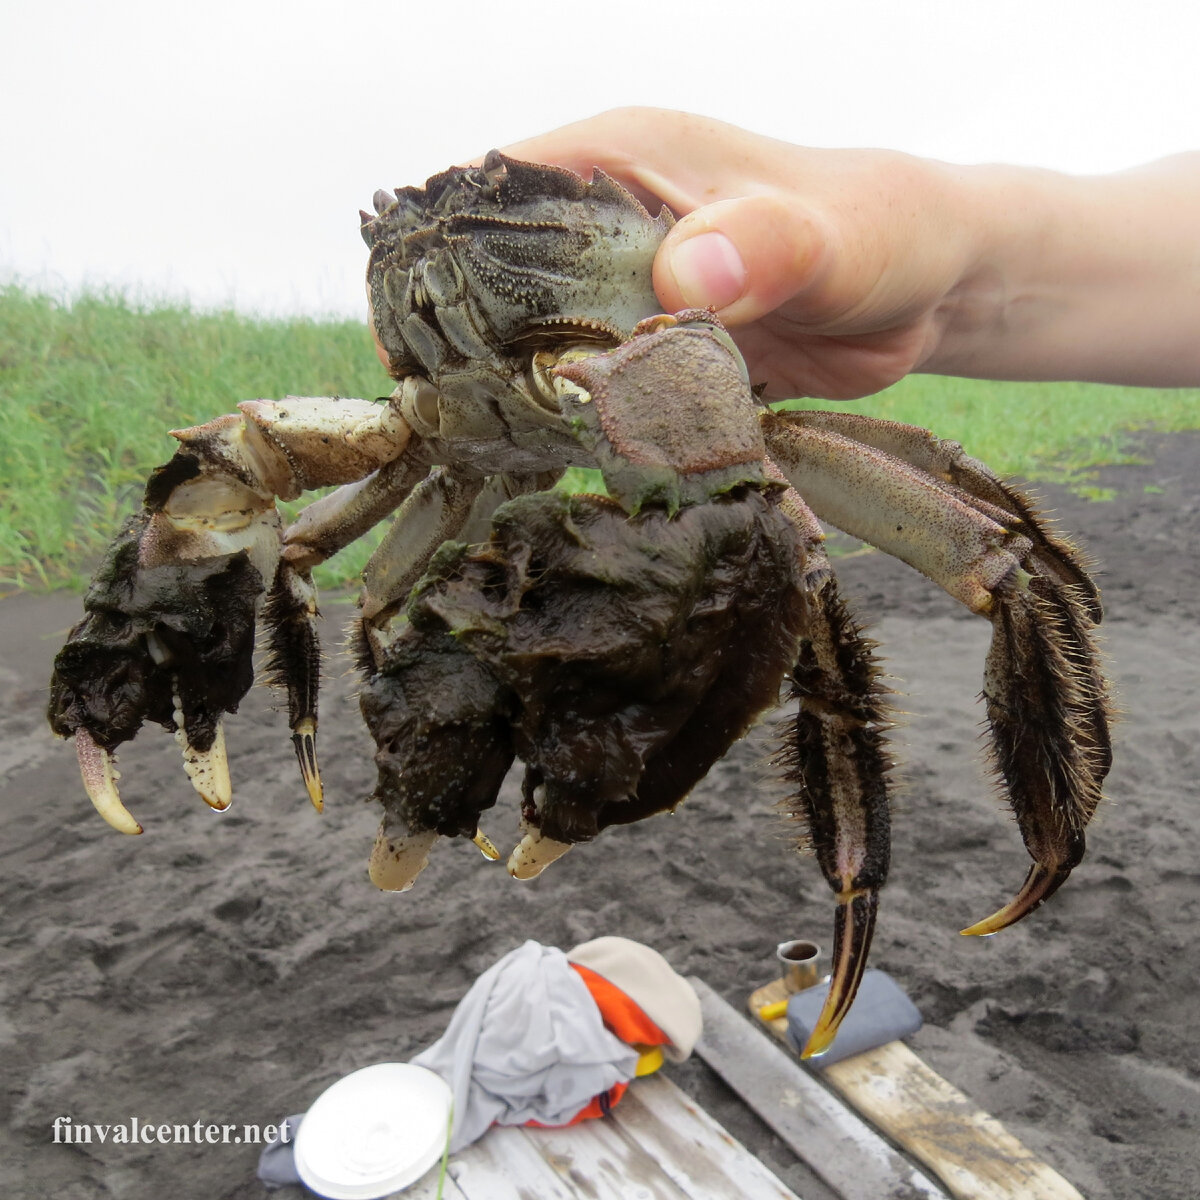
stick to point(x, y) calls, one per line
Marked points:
point(625, 1020)
point(620, 1015)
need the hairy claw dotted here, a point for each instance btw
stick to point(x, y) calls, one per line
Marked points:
point(834, 755)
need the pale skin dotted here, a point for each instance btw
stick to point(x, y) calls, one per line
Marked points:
point(841, 271)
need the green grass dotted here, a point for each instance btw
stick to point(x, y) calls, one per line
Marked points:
point(89, 389)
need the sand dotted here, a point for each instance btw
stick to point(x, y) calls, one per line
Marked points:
point(226, 968)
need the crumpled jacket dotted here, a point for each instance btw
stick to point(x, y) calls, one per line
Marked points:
point(526, 1043)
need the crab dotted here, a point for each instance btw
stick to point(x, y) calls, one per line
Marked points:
point(615, 644)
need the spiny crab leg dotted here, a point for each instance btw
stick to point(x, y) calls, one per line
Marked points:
point(834, 755)
point(295, 665)
point(1046, 700)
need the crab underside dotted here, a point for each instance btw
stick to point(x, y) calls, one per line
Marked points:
point(616, 645)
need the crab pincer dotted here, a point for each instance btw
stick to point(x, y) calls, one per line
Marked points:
point(170, 643)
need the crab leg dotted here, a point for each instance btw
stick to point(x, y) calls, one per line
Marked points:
point(1046, 700)
point(169, 628)
point(968, 479)
point(833, 753)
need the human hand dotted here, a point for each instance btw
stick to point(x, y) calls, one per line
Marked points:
point(832, 268)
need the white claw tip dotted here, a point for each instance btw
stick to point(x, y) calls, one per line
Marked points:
point(100, 776)
point(533, 854)
point(208, 769)
point(396, 862)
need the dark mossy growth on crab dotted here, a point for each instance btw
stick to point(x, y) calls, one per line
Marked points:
point(625, 655)
point(438, 718)
point(202, 617)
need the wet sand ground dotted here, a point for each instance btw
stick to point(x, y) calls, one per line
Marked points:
point(227, 968)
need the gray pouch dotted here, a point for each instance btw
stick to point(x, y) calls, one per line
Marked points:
point(881, 1013)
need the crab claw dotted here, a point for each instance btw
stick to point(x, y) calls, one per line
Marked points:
point(852, 930)
point(165, 641)
point(100, 776)
point(397, 861)
point(534, 853)
point(207, 769)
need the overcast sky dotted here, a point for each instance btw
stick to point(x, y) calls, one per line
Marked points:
point(220, 149)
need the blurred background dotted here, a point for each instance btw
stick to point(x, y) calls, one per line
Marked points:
point(218, 152)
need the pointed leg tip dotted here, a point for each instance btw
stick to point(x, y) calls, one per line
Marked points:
point(1040, 884)
point(98, 769)
point(818, 1042)
point(853, 930)
point(486, 846)
point(304, 740)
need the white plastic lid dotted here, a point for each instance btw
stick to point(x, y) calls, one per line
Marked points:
point(373, 1132)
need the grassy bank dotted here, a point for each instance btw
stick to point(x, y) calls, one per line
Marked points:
point(88, 391)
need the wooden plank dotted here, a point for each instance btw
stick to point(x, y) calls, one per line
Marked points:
point(600, 1164)
point(657, 1145)
point(836, 1143)
point(427, 1188)
point(968, 1150)
point(701, 1157)
point(505, 1165)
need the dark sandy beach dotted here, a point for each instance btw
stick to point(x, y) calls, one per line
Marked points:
point(226, 968)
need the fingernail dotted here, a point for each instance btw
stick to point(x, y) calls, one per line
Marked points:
point(708, 271)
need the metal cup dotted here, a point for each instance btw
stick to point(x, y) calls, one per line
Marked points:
point(798, 959)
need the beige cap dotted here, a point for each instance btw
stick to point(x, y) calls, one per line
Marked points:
point(649, 981)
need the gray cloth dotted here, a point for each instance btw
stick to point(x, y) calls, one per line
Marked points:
point(526, 1043)
point(881, 1013)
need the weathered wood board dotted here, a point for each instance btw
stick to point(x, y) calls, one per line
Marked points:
point(657, 1144)
point(838, 1145)
point(972, 1154)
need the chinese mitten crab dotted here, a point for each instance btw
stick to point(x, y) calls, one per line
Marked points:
point(616, 645)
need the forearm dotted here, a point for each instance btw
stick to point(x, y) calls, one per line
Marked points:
point(1094, 278)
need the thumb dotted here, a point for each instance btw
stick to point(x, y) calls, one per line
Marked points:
point(744, 257)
